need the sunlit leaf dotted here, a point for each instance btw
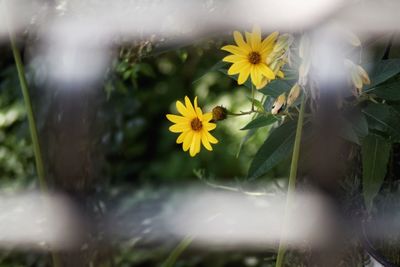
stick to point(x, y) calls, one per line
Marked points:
point(276, 148)
point(259, 122)
point(277, 87)
point(257, 104)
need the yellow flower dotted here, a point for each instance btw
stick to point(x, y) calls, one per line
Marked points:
point(193, 126)
point(249, 57)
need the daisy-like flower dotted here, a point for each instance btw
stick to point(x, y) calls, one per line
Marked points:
point(194, 127)
point(249, 57)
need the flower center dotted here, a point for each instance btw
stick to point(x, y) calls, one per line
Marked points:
point(196, 124)
point(254, 58)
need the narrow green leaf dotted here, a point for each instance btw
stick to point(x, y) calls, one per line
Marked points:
point(248, 135)
point(383, 118)
point(277, 87)
point(381, 72)
point(388, 91)
point(359, 123)
point(375, 155)
point(348, 133)
point(259, 122)
point(257, 104)
point(277, 147)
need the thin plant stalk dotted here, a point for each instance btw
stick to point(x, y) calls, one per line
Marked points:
point(29, 111)
point(31, 120)
point(252, 97)
point(292, 182)
point(177, 251)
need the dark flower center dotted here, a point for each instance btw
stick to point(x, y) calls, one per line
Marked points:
point(254, 58)
point(196, 124)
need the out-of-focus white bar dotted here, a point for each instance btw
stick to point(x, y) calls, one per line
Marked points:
point(37, 221)
point(227, 219)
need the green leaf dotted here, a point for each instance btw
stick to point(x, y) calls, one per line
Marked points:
point(277, 87)
point(259, 122)
point(248, 135)
point(257, 104)
point(388, 91)
point(375, 155)
point(383, 118)
point(277, 147)
point(354, 126)
point(360, 124)
point(348, 133)
point(381, 72)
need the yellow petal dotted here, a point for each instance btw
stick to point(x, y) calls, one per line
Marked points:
point(181, 108)
point(237, 67)
point(195, 146)
point(189, 107)
point(187, 141)
point(210, 138)
point(263, 83)
point(207, 116)
point(240, 42)
point(179, 127)
point(176, 118)
point(181, 137)
point(235, 50)
point(244, 74)
point(199, 113)
point(256, 76)
point(266, 71)
point(268, 42)
point(234, 58)
point(209, 126)
point(281, 74)
point(204, 141)
point(256, 38)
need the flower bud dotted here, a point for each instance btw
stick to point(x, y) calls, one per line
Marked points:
point(283, 43)
point(304, 46)
point(278, 104)
point(293, 94)
point(219, 113)
point(363, 74)
point(352, 38)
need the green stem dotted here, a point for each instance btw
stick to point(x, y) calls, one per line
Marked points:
point(31, 119)
point(178, 250)
point(252, 97)
point(292, 181)
point(29, 111)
